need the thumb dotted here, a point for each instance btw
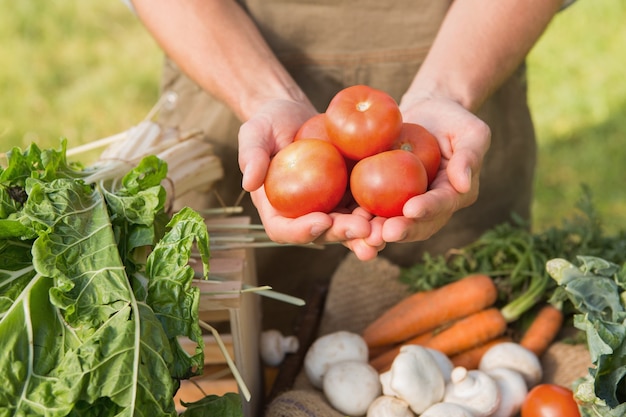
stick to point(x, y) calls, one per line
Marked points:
point(254, 153)
point(460, 173)
point(465, 163)
point(253, 163)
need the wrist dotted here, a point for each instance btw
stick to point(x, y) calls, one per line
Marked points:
point(425, 88)
point(283, 89)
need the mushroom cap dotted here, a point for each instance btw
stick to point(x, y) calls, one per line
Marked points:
point(274, 346)
point(351, 386)
point(330, 349)
point(513, 356)
point(388, 406)
point(513, 391)
point(444, 362)
point(474, 390)
point(415, 377)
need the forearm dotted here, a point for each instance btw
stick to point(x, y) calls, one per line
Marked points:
point(218, 46)
point(478, 47)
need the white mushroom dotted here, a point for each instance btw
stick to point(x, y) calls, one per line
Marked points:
point(415, 377)
point(512, 389)
point(351, 386)
point(513, 356)
point(387, 406)
point(332, 348)
point(444, 363)
point(474, 390)
point(446, 410)
point(274, 346)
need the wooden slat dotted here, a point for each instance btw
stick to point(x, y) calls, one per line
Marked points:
point(240, 310)
point(212, 353)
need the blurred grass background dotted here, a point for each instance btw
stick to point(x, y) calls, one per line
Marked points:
point(85, 70)
point(78, 69)
point(578, 100)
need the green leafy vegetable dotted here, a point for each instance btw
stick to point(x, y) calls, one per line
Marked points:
point(515, 257)
point(228, 405)
point(596, 290)
point(90, 325)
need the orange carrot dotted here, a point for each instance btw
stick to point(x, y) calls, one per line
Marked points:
point(465, 333)
point(382, 361)
point(425, 311)
point(469, 331)
point(543, 329)
point(469, 359)
point(379, 350)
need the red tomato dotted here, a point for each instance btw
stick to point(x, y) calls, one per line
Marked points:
point(550, 400)
point(314, 128)
point(382, 183)
point(306, 176)
point(362, 121)
point(415, 138)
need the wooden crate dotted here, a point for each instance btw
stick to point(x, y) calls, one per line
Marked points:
point(236, 315)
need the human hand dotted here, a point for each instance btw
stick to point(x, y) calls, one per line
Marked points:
point(265, 133)
point(464, 140)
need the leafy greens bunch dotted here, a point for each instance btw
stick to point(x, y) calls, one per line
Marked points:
point(95, 290)
point(596, 288)
point(515, 257)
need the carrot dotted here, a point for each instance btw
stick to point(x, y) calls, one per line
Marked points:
point(543, 329)
point(465, 333)
point(469, 331)
point(425, 311)
point(379, 350)
point(469, 359)
point(382, 361)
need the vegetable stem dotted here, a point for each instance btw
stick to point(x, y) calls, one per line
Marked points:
point(229, 361)
point(524, 302)
point(266, 291)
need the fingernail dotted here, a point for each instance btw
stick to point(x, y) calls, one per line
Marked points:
point(244, 177)
point(317, 229)
point(468, 173)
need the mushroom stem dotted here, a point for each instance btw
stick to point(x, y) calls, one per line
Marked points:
point(275, 346)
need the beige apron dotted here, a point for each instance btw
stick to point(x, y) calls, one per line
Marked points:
point(328, 45)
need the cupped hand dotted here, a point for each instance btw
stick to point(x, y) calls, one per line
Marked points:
point(263, 135)
point(464, 140)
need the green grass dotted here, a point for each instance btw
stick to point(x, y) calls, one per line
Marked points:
point(85, 70)
point(578, 100)
point(76, 69)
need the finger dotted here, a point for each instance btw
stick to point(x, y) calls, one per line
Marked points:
point(254, 153)
point(301, 230)
point(375, 237)
point(345, 227)
point(402, 229)
point(468, 151)
point(433, 203)
point(423, 216)
point(362, 250)
point(254, 163)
